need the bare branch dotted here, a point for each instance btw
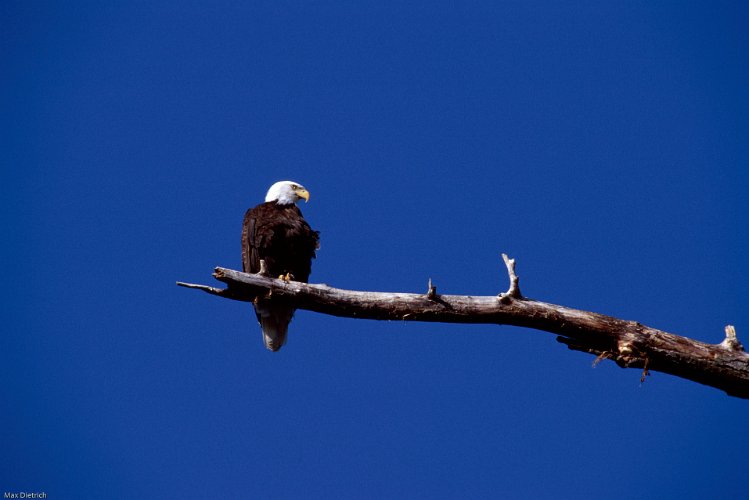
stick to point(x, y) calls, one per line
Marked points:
point(631, 345)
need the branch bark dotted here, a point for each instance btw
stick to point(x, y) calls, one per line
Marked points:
point(724, 366)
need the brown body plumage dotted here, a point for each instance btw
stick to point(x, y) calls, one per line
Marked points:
point(279, 235)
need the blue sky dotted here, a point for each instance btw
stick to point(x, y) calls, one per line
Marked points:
point(603, 145)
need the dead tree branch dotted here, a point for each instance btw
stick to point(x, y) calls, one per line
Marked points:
point(724, 366)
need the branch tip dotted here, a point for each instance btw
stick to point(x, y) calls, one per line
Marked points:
point(263, 268)
point(205, 288)
point(601, 357)
point(221, 292)
point(645, 371)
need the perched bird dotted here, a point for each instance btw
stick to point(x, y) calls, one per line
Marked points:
point(276, 232)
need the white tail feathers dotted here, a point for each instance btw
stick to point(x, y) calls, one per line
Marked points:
point(274, 321)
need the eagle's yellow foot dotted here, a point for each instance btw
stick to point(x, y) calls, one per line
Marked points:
point(286, 277)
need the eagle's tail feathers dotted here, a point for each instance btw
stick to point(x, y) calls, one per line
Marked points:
point(274, 322)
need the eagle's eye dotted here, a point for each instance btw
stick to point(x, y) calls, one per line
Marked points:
point(294, 187)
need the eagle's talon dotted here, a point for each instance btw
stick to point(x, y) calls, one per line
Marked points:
point(286, 277)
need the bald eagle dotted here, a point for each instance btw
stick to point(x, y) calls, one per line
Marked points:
point(276, 232)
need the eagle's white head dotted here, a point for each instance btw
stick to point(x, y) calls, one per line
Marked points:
point(286, 193)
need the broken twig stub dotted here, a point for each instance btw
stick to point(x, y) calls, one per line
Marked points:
point(514, 291)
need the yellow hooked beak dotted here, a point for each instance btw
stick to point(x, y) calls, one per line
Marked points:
point(303, 193)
